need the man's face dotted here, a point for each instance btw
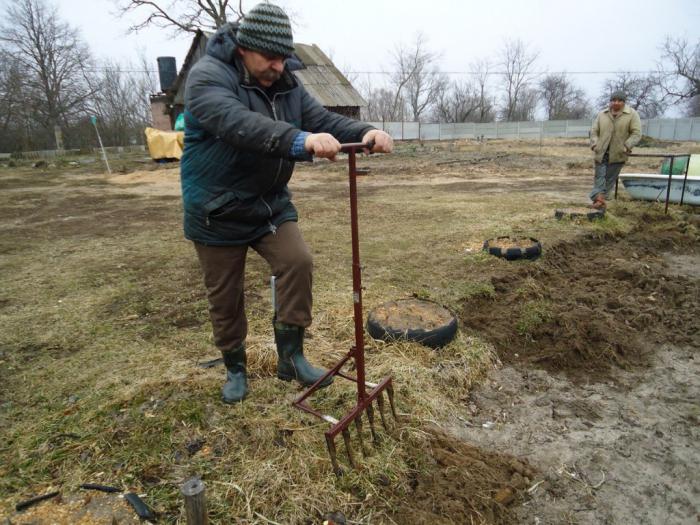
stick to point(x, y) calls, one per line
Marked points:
point(267, 69)
point(616, 105)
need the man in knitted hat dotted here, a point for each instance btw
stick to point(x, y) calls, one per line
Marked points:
point(247, 120)
point(615, 131)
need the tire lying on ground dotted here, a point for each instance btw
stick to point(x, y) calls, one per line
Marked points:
point(513, 248)
point(579, 213)
point(424, 322)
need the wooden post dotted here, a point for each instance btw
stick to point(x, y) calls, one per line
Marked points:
point(195, 502)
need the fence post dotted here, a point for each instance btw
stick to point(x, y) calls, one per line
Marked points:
point(195, 502)
point(675, 126)
point(690, 133)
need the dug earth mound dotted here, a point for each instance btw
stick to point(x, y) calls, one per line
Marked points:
point(599, 386)
point(595, 304)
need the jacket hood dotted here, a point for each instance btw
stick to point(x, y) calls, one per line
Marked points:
point(223, 44)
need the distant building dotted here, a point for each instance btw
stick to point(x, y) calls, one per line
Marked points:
point(318, 74)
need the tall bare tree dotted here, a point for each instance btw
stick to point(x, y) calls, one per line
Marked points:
point(561, 99)
point(182, 15)
point(122, 103)
point(682, 85)
point(380, 105)
point(456, 102)
point(517, 62)
point(54, 60)
point(416, 78)
point(643, 93)
point(481, 70)
point(12, 101)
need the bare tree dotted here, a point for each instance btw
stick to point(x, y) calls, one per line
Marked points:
point(416, 78)
point(643, 93)
point(457, 102)
point(481, 69)
point(380, 105)
point(526, 106)
point(122, 102)
point(187, 16)
point(562, 100)
point(682, 86)
point(693, 107)
point(12, 101)
point(54, 59)
point(517, 62)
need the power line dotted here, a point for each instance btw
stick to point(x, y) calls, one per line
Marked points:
point(490, 73)
point(504, 72)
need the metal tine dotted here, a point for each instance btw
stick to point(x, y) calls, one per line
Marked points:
point(380, 402)
point(358, 425)
point(333, 454)
point(390, 394)
point(348, 446)
point(370, 418)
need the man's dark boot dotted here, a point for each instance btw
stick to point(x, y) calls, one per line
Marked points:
point(236, 387)
point(292, 364)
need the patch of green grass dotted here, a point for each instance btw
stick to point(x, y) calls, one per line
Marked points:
point(476, 288)
point(532, 315)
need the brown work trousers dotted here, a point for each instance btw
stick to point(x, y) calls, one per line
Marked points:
point(224, 267)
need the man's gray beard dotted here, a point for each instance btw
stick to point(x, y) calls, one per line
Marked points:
point(270, 76)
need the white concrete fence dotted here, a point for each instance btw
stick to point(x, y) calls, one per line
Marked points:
point(682, 129)
point(679, 129)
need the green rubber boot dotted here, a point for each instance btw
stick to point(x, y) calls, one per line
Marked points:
point(236, 387)
point(292, 364)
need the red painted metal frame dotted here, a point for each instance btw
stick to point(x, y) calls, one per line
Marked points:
point(357, 352)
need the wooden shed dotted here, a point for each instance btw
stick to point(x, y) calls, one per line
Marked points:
point(318, 74)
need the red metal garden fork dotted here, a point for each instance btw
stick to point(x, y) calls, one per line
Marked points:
point(366, 392)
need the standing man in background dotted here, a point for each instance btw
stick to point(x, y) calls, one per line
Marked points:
point(247, 120)
point(615, 131)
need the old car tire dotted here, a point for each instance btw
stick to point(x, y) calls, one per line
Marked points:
point(434, 335)
point(532, 251)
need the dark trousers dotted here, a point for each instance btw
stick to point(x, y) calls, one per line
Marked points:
point(605, 177)
point(224, 268)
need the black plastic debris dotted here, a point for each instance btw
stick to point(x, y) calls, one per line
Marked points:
point(142, 510)
point(33, 501)
point(101, 488)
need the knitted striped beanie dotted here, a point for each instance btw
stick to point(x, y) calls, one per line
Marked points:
point(266, 28)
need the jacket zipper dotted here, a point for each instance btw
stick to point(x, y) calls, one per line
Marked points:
point(273, 228)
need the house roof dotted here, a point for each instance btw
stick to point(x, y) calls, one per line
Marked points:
point(319, 75)
point(323, 80)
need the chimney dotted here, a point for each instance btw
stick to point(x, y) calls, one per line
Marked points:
point(167, 72)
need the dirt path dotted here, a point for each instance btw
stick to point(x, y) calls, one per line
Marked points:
point(609, 412)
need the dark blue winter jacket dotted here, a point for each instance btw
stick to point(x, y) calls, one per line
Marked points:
point(236, 162)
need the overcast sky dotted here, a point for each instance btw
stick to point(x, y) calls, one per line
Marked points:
point(588, 35)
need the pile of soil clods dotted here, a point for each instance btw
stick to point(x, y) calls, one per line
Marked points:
point(595, 303)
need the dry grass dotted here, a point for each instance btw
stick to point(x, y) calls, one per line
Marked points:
point(104, 318)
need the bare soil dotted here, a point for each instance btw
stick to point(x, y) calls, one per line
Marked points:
point(462, 483)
